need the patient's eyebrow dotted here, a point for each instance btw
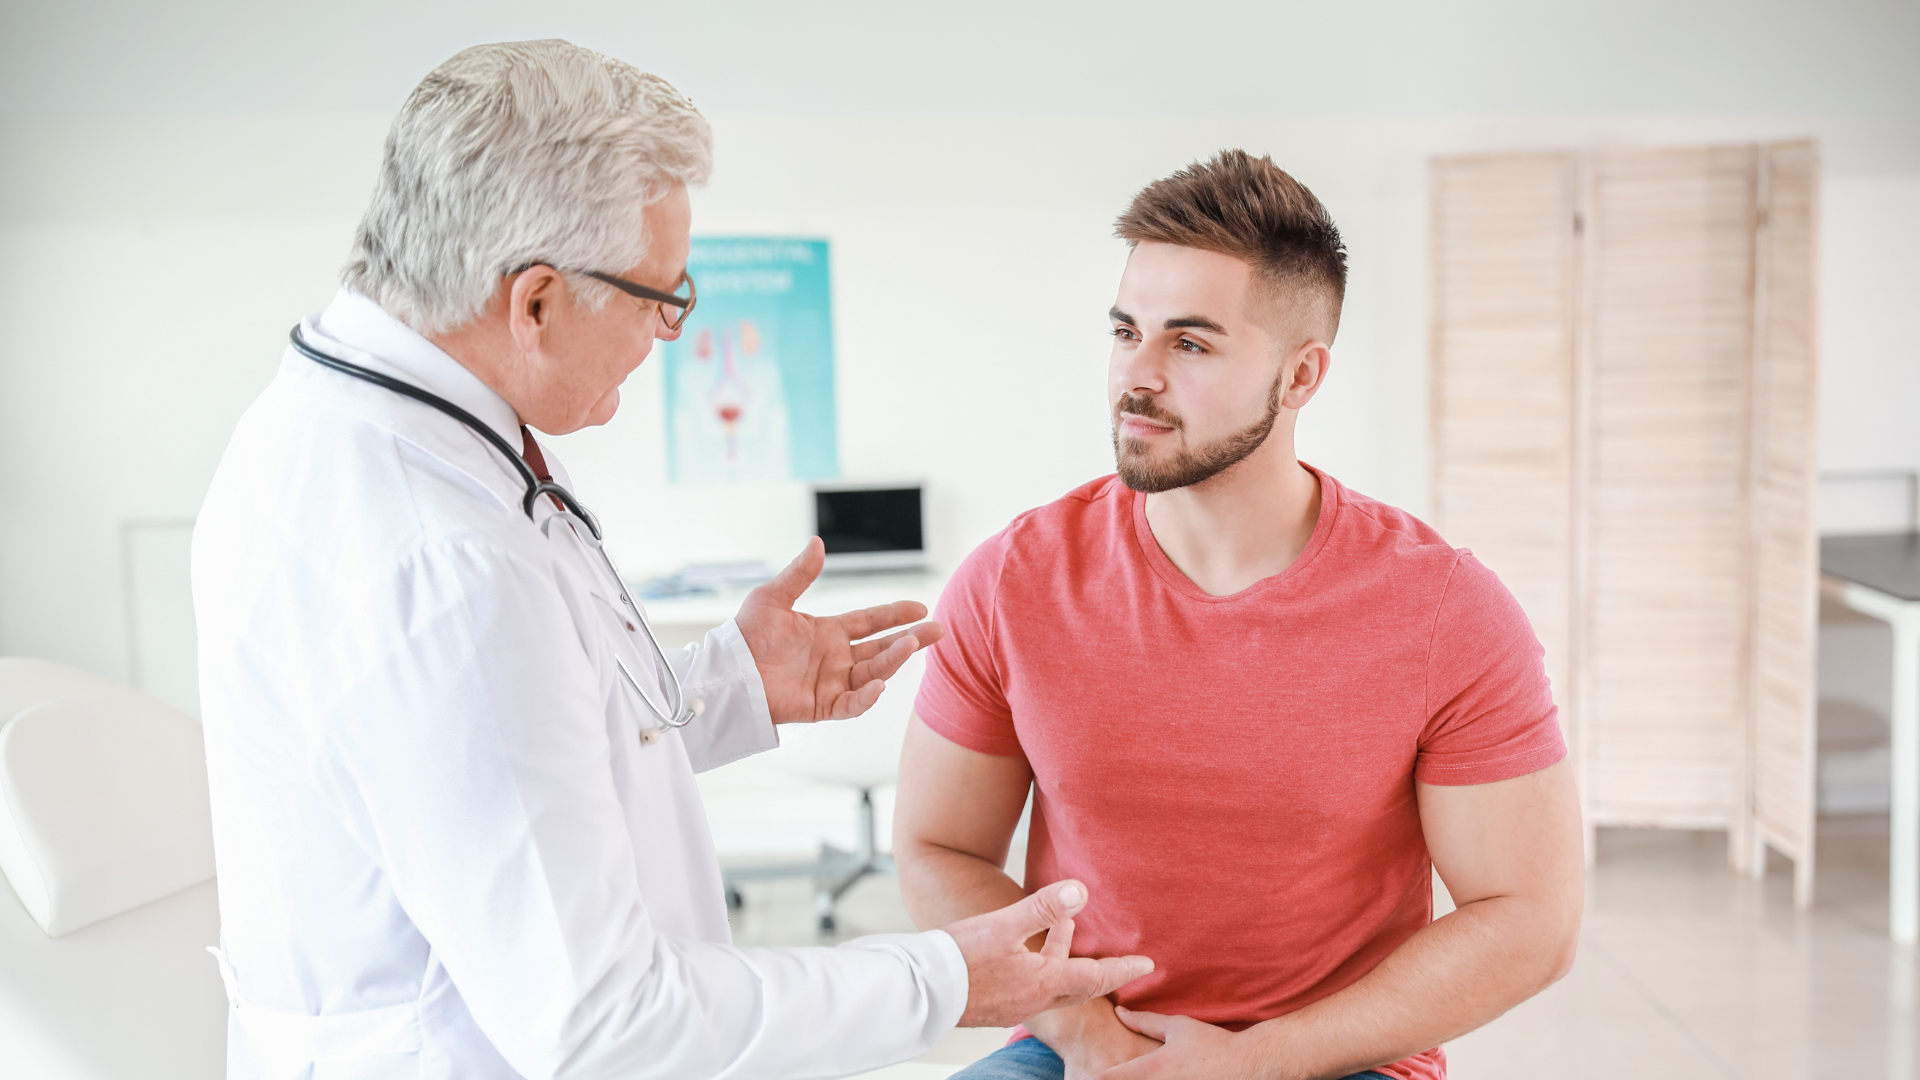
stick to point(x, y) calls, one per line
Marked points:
point(1197, 322)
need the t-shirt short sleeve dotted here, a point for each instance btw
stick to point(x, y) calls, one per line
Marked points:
point(961, 695)
point(1490, 708)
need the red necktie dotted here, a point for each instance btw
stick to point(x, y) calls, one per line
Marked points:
point(537, 461)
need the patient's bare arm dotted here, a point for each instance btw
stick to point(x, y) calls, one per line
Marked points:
point(952, 825)
point(1511, 854)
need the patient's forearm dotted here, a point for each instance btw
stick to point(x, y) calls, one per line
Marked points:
point(941, 885)
point(1450, 978)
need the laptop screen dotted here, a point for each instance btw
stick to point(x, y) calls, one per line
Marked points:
point(862, 521)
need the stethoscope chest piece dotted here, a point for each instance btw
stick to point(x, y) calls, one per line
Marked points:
point(652, 734)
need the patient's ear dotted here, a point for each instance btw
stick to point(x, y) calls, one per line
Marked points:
point(1305, 372)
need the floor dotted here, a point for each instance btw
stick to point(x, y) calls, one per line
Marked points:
point(1684, 971)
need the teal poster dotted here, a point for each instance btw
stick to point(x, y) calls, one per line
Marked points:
point(749, 383)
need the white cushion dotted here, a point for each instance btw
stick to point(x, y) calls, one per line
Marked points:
point(103, 796)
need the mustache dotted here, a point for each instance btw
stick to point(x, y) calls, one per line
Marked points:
point(1146, 407)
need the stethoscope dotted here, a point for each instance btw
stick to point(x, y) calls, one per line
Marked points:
point(584, 524)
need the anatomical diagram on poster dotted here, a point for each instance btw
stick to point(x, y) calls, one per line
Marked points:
point(749, 383)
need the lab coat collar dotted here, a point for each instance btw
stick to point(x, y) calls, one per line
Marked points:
point(396, 349)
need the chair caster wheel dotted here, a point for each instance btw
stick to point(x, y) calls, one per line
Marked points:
point(735, 901)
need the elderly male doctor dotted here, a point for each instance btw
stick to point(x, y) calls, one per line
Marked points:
point(453, 837)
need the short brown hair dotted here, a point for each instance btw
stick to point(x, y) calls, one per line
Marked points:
point(1248, 208)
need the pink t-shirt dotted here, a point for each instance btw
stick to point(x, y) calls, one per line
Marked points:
point(1233, 776)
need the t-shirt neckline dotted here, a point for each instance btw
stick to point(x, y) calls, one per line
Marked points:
point(1170, 574)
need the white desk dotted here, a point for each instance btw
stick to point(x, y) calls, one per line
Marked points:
point(830, 595)
point(1880, 576)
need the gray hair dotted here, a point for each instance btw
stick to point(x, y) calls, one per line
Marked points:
point(518, 153)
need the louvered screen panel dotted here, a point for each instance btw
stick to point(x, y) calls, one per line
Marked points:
point(1670, 257)
point(1785, 482)
point(1502, 378)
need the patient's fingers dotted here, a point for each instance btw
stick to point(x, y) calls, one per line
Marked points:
point(1152, 1025)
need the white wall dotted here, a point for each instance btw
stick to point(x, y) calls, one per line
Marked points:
point(1870, 321)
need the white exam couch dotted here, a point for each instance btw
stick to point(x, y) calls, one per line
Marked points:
point(106, 843)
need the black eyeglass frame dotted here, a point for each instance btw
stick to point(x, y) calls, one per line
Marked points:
point(642, 292)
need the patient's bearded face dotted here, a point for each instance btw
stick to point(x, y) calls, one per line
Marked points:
point(1176, 460)
point(1192, 379)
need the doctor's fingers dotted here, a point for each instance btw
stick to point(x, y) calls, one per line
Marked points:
point(872, 647)
point(869, 621)
point(1059, 943)
point(1084, 978)
point(786, 586)
point(851, 703)
point(881, 659)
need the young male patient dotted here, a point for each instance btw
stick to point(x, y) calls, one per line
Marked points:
point(1254, 706)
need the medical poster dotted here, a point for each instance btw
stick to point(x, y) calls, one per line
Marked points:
point(749, 384)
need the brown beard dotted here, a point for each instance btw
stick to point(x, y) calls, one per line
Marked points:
point(1192, 465)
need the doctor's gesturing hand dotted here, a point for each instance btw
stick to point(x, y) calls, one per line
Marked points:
point(819, 668)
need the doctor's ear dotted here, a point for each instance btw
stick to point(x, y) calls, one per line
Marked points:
point(530, 299)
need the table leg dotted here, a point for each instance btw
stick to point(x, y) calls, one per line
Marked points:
point(1905, 856)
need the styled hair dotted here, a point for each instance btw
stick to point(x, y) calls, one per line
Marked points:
point(1248, 208)
point(517, 153)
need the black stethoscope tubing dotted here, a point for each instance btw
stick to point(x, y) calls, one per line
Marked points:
point(681, 713)
point(535, 486)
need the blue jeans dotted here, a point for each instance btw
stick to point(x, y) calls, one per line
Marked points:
point(1030, 1059)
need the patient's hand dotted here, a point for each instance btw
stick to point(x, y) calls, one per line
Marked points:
point(1089, 1038)
point(1193, 1050)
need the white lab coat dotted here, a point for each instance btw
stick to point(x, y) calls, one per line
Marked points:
point(443, 849)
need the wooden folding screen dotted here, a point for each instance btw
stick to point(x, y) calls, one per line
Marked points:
point(1669, 257)
point(1786, 479)
point(1622, 424)
point(1502, 396)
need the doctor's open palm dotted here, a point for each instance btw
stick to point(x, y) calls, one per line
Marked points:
point(819, 667)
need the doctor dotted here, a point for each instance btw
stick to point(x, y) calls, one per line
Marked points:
point(455, 837)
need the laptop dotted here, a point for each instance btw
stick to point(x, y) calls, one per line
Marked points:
point(872, 527)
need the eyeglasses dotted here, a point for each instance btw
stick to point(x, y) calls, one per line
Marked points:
point(641, 292)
